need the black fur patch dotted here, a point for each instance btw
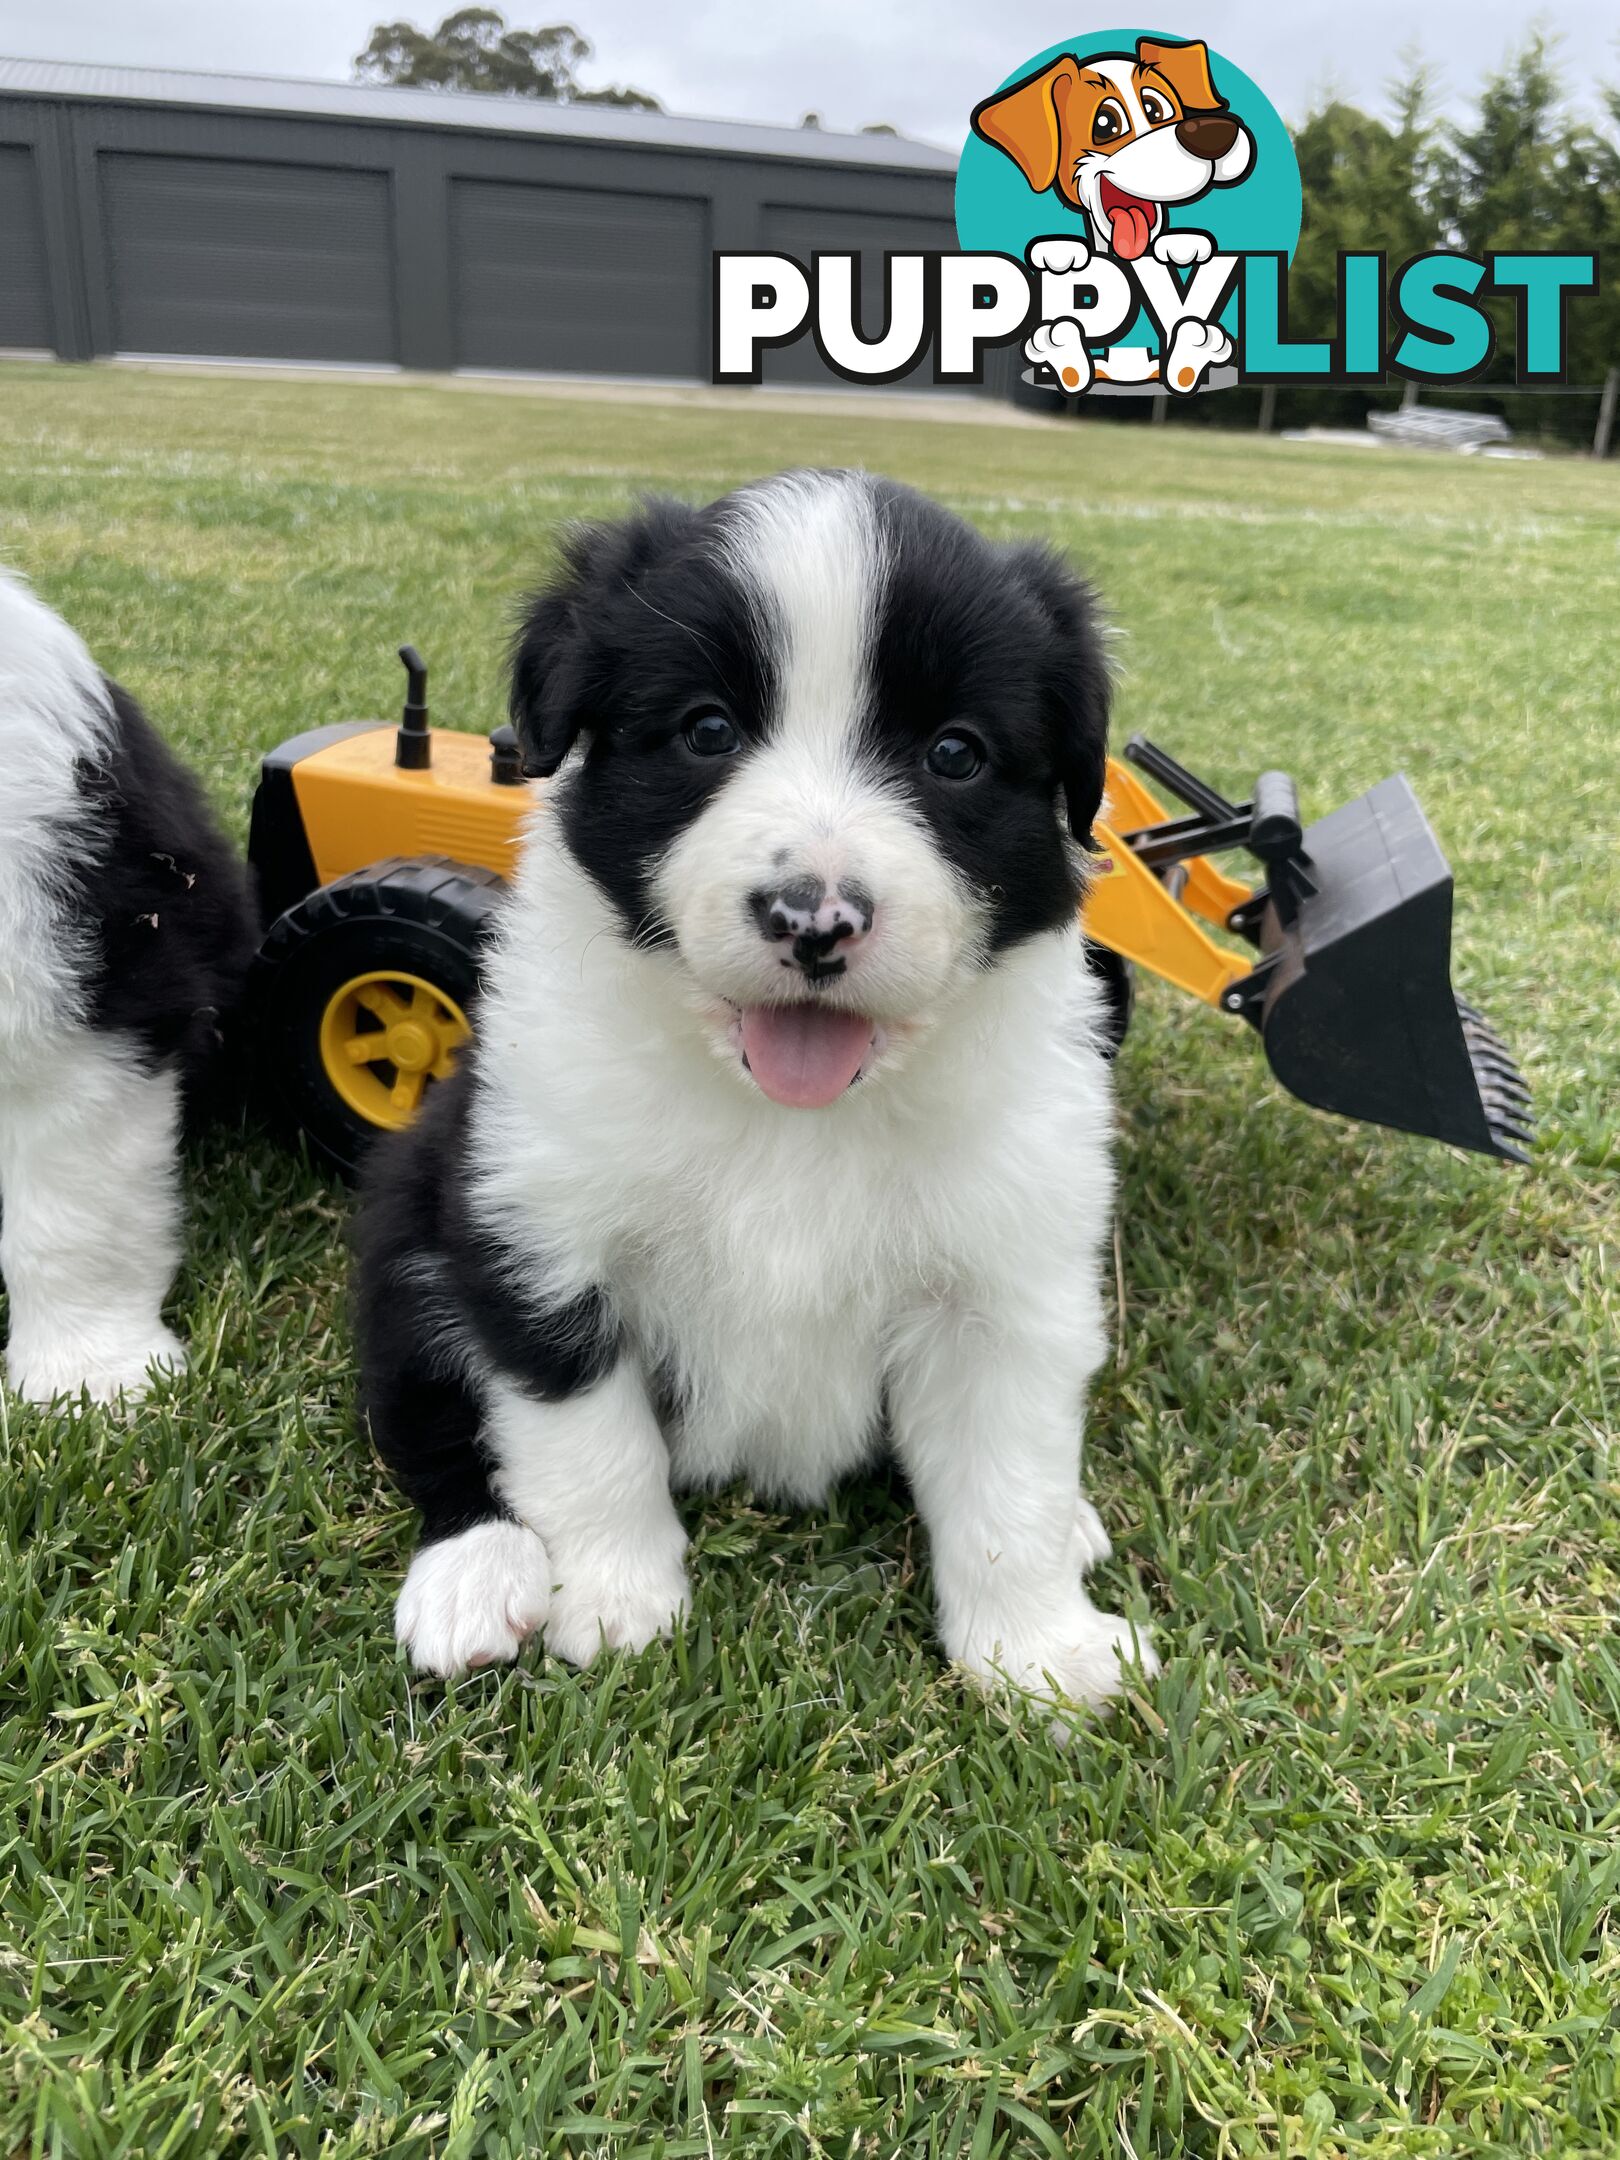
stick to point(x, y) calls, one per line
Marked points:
point(999, 642)
point(440, 1299)
point(640, 631)
point(164, 899)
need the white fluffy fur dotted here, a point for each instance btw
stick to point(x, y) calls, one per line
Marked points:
point(474, 1599)
point(53, 711)
point(89, 1233)
point(930, 1240)
point(595, 1472)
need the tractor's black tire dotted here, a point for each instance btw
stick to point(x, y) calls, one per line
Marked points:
point(422, 916)
point(1118, 980)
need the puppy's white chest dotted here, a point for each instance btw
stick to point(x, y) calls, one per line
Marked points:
point(763, 1309)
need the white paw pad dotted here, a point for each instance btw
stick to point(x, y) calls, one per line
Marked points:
point(1195, 348)
point(1183, 249)
point(1078, 1656)
point(1061, 346)
point(474, 1599)
point(62, 1371)
point(1062, 257)
point(621, 1601)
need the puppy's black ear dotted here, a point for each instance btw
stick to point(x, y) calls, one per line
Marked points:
point(561, 655)
point(544, 701)
point(1075, 684)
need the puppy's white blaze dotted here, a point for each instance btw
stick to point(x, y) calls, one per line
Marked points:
point(809, 552)
point(807, 549)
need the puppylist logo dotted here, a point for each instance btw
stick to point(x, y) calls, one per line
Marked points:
point(1127, 206)
point(1132, 186)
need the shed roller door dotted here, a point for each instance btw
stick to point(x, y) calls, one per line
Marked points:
point(263, 262)
point(801, 233)
point(25, 311)
point(579, 280)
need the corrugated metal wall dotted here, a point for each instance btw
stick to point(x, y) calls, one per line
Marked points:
point(580, 280)
point(134, 226)
point(25, 305)
point(219, 257)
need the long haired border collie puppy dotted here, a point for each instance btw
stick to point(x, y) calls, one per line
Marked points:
point(125, 932)
point(787, 1132)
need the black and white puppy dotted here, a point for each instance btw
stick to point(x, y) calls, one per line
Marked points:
point(787, 1133)
point(125, 932)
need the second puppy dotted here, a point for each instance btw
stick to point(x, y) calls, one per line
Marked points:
point(125, 933)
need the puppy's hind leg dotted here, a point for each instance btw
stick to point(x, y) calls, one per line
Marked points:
point(90, 1234)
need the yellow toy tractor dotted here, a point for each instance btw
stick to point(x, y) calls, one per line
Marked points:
point(380, 854)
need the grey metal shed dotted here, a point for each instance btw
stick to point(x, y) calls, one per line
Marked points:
point(236, 217)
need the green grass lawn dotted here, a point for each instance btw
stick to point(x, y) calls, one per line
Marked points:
point(1343, 1881)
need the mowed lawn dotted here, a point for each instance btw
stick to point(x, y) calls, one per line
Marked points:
point(1342, 1881)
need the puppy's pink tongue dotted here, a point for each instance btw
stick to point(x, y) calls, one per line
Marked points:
point(804, 1055)
point(1133, 228)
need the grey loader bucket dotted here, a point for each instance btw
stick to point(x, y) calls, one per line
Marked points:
point(1352, 991)
point(1358, 1014)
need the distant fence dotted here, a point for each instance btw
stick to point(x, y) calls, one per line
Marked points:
point(1575, 416)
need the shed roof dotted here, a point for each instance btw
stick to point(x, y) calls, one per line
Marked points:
point(460, 109)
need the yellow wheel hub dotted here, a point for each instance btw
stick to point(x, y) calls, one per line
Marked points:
point(383, 1038)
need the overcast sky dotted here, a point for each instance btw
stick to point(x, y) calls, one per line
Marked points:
point(919, 64)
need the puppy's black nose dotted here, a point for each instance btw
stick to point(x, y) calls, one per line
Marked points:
point(806, 923)
point(1207, 135)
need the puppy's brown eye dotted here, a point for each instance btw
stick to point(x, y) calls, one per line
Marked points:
point(710, 734)
point(1109, 122)
point(1156, 108)
point(955, 755)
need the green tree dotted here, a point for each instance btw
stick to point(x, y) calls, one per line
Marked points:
point(475, 50)
point(1368, 185)
point(1521, 173)
point(1527, 175)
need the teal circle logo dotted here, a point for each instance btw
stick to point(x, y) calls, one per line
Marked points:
point(1117, 142)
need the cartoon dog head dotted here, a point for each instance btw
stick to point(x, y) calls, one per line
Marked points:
point(1121, 135)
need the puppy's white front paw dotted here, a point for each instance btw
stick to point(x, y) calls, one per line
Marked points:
point(1061, 346)
point(1075, 1656)
point(621, 1599)
point(1063, 257)
point(1184, 249)
point(45, 1370)
point(473, 1599)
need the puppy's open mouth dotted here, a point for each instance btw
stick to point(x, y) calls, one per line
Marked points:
point(804, 1055)
point(1130, 219)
